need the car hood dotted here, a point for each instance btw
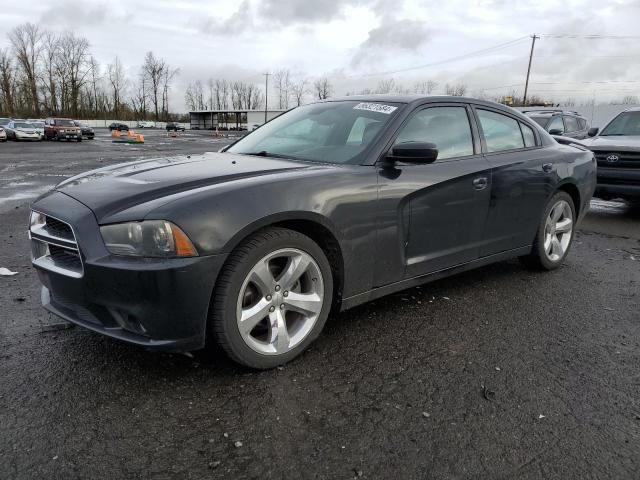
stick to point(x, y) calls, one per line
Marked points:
point(620, 143)
point(113, 189)
point(25, 130)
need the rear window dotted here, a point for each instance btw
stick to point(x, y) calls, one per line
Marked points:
point(542, 121)
point(571, 124)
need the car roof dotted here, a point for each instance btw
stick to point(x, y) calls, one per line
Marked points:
point(419, 99)
point(633, 109)
point(550, 113)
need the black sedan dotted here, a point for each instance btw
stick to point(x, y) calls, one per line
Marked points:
point(121, 127)
point(325, 207)
point(85, 129)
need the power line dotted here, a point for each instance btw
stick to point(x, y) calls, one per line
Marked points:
point(442, 62)
point(590, 37)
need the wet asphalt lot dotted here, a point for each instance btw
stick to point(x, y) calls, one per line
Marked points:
point(495, 373)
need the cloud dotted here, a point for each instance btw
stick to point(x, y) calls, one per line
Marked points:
point(291, 12)
point(240, 21)
point(392, 36)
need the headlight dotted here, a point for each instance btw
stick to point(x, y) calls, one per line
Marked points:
point(36, 219)
point(151, 238)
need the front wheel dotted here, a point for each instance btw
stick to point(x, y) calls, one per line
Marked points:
point(272, 298)
point(555, 234)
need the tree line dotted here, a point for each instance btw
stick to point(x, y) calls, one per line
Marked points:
point(43, 73)
point(289, 91)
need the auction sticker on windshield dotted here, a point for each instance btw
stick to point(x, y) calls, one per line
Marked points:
point(376, 107)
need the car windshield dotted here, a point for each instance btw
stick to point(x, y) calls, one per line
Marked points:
point(3, 122)
point(542, 121)
point(64, 123)
point(23, 125)
point(38, 124)
point(627, 123)
point(332, 132)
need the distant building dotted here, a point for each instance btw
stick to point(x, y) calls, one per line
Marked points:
point(230, 119)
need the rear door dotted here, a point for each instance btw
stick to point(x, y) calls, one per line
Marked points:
point(519, 181)
point(446, 202)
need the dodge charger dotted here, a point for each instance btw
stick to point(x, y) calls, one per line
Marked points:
point(323, 208)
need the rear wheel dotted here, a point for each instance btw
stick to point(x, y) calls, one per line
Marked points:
point(272, 298)
point(555, 234)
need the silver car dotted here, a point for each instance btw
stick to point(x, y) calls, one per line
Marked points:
point(39, 126)
point(21, 130)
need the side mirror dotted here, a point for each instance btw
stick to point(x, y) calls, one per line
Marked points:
point(556, 131)
point(414, 152)
point(593, 131)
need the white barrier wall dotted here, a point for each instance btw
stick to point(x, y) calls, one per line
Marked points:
point(130, 124)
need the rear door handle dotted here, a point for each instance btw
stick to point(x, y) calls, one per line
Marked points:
point(480, 183)
point(547, 167)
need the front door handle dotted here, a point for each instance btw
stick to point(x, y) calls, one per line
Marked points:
point(480, 183)
point(547, 167)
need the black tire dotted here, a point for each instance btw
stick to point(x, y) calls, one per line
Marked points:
point(222, 325)
point(538, 259)
point(79, 139)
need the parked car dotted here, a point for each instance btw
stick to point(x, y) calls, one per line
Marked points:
point(146, 124)
point(617, 150)
point(3, 135)
point(119, 126)
point(39, 126)
point(61, 129)
point(329, 205)
point(174, 126)
point(21, 130)
point(561, 122)
point(85, 129)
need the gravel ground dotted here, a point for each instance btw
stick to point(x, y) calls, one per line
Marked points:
point(495, 373)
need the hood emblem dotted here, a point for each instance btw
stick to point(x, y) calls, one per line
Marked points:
point(613, 158)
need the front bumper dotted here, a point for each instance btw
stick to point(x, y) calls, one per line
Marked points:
point(68, 135)
point(618, 182)
point(156, 303)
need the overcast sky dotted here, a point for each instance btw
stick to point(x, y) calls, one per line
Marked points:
point(352, 41)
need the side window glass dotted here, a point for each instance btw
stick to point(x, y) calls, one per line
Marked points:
point(582, 123)
point(528, 135)
point(500, 132)
point(447, 127)
point(556, 124)
point(571, 124)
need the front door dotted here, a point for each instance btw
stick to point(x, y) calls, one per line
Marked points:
point(445, 203)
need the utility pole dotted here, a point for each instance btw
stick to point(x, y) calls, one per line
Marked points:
point(526, 85)
point(266, 94)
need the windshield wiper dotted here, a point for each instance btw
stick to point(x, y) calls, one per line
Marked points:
point(264, 153)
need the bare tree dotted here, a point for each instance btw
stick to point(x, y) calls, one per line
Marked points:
point(299, 89)
point(458, 90)
point(425, 87)
point(386, 85)
point(154, 70)
point(115, 74)
point(26, 40)
point(282, 84)
point(629, 100)
point(7, 86)
point(322, 88)
point(74, 58)
point(167, 78)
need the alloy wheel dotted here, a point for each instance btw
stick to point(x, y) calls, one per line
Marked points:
point(558, 231)
point(280, 301)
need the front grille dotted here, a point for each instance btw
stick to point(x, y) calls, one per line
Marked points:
point(65, 258)
point(624, 159)
point(58, 229)
point(54, 248)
